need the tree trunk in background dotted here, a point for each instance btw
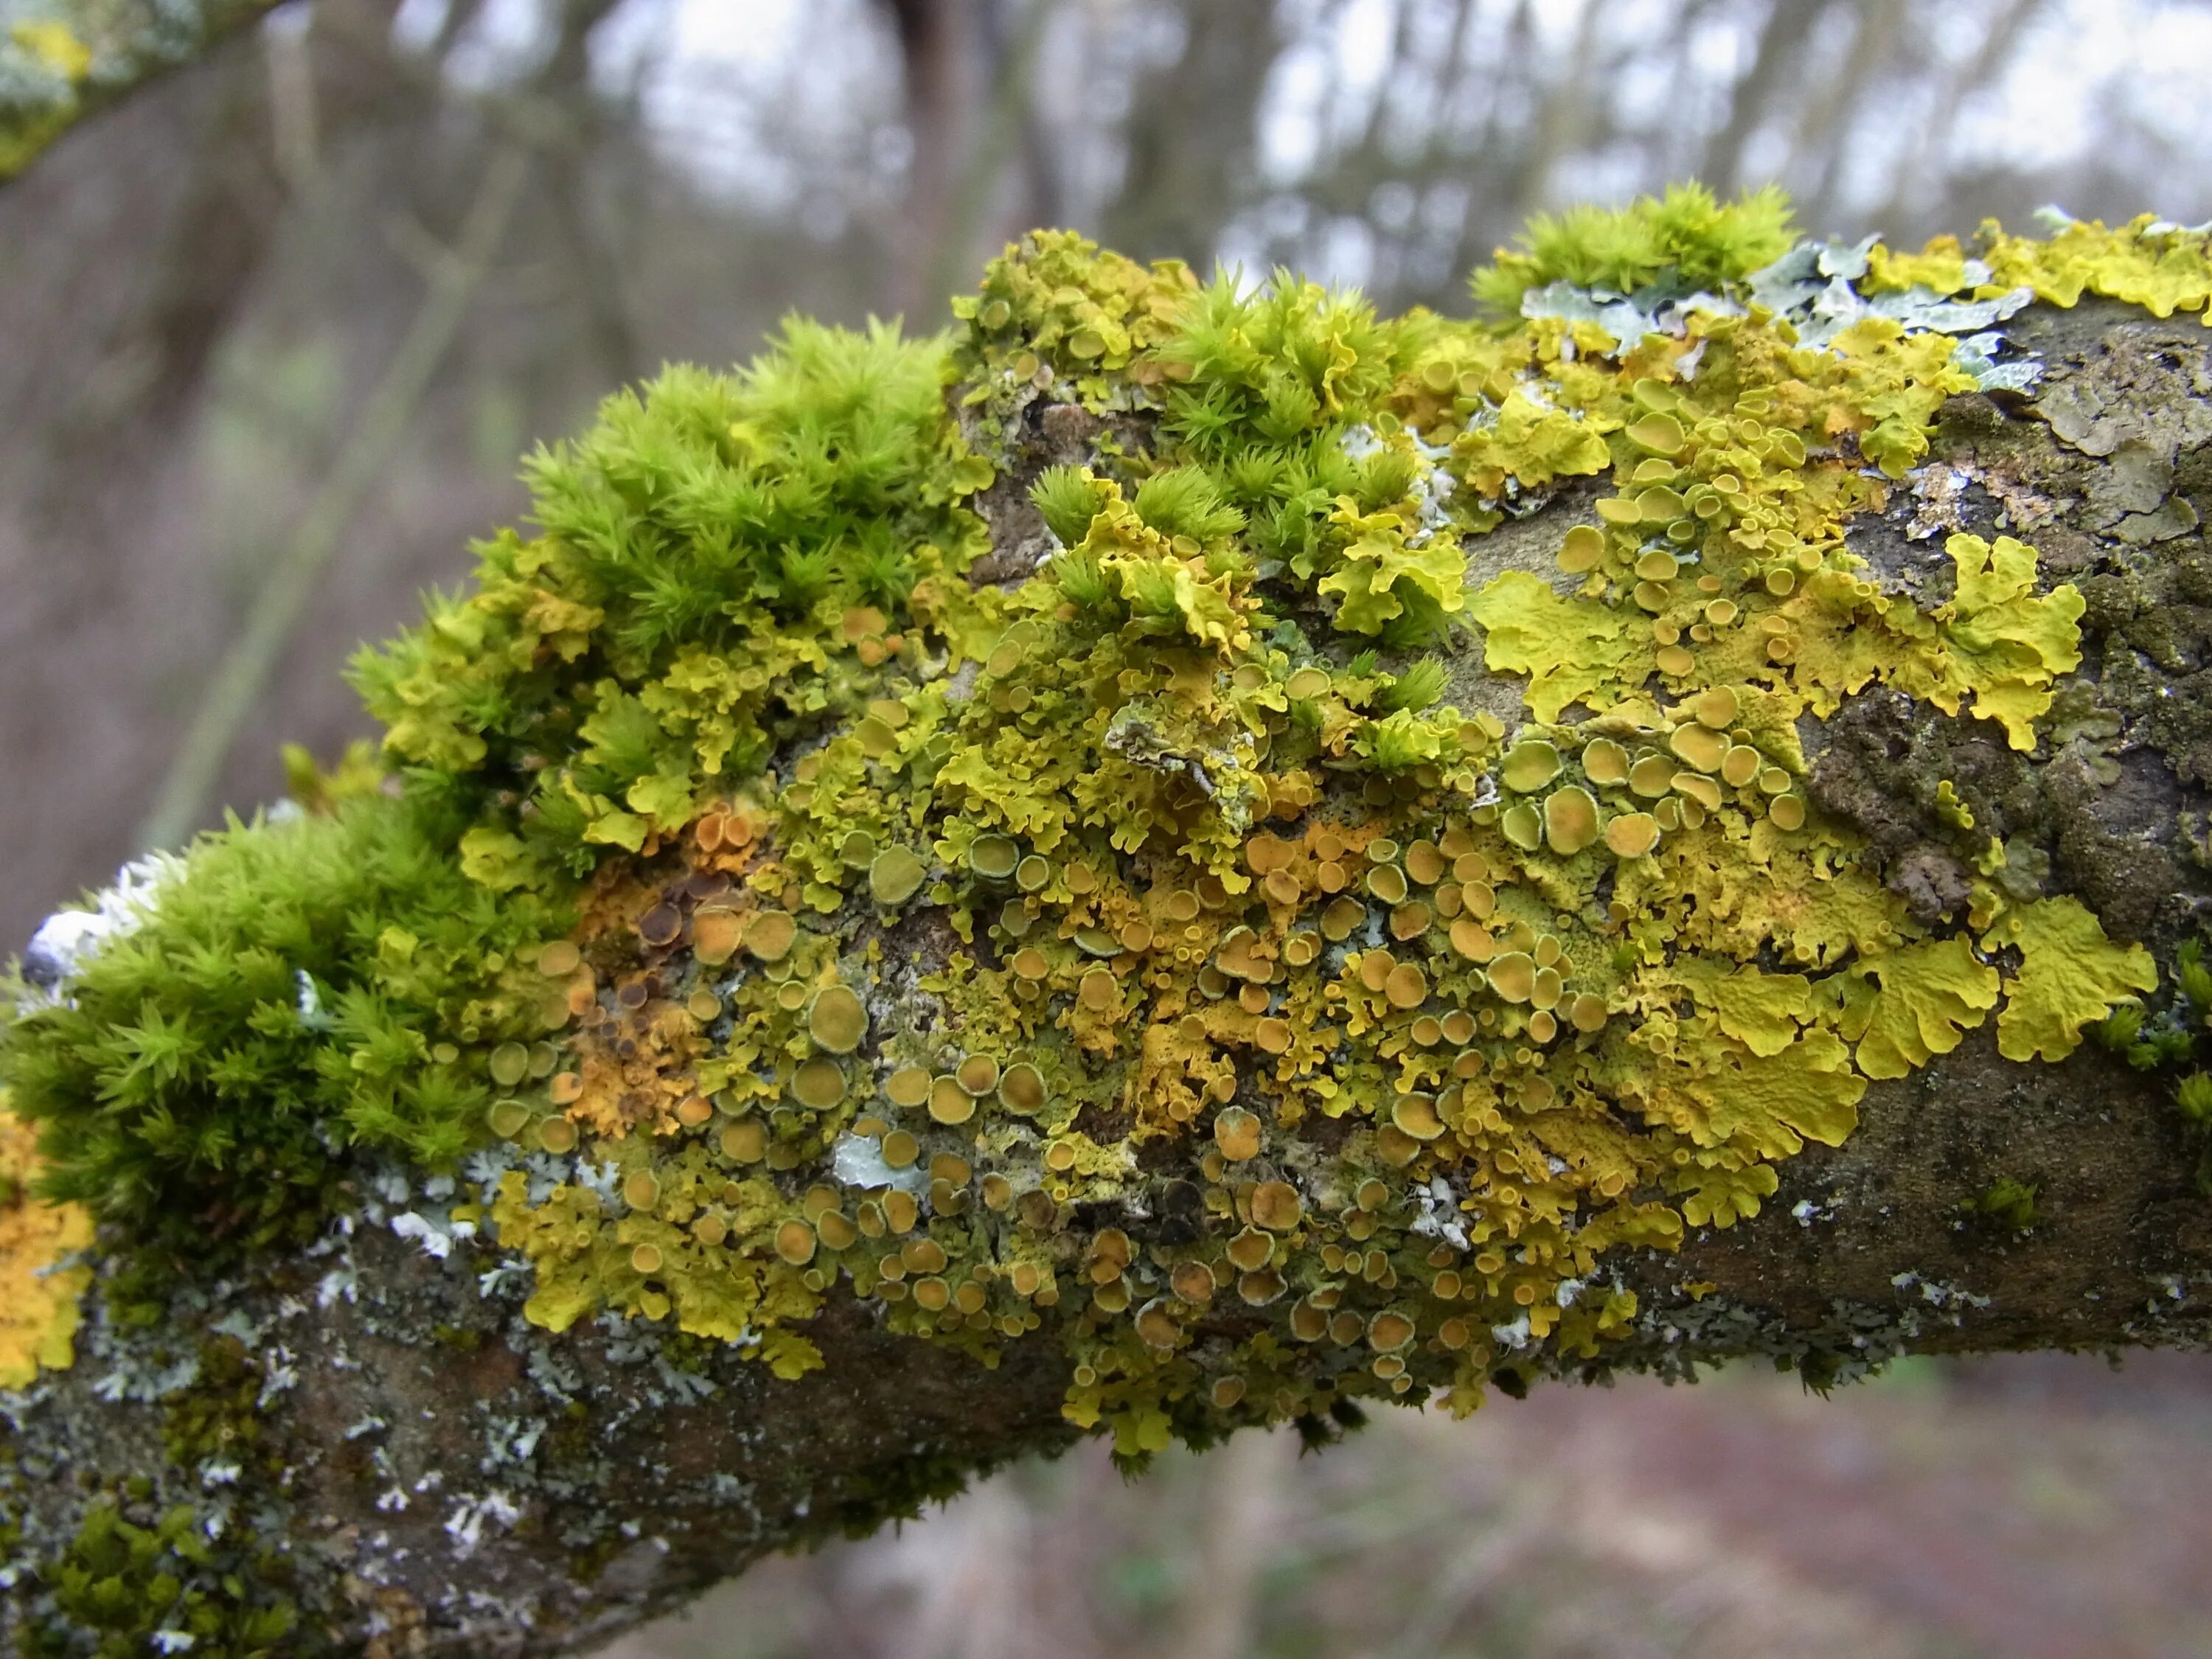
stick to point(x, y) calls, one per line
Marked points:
point(421, 1454)
point(1193, 136)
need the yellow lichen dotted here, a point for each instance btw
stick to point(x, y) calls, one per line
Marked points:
point(39, 1295)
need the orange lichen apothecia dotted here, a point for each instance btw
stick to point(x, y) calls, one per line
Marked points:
point(1121, 944)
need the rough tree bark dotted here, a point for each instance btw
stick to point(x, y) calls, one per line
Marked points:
point(420, 1460)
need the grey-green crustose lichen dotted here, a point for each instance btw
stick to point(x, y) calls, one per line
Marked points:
point(787, 897)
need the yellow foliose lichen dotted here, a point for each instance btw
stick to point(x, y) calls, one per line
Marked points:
point(38, 1294)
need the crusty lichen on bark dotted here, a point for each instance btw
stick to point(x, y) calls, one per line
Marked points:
point(1182, 860)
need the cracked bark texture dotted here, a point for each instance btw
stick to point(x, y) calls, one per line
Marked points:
point(433, 1457)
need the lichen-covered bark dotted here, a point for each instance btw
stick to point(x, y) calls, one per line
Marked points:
point(62, 61)
point(447, 1477)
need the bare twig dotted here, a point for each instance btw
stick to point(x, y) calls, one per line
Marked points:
point(243, 673)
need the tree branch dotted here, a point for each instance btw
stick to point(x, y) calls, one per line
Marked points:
point(447, 1477)
point(63, 61)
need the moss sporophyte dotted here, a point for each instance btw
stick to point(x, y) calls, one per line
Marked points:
point(1101, 934)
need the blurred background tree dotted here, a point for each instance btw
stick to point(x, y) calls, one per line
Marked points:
point(273, 332)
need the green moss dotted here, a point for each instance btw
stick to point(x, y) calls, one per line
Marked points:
point(129, 1585)
point(2008, 1204)
point(297, 988)
point(1686, 236)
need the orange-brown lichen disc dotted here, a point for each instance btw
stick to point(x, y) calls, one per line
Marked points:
point(1390, 1330)
point(1192, 1282)
point(1406, 986)
point(1416, 1114)
point(1788, 812)
point(715, 933)
point(1259, 1289)
point(1029, 963)
point(1387, 883)
point(1542, 1026)
point(894, 875)
point(1251, 1248)
point(646, 1259)
point(922, 1255)
point(1739, 766)
point(1583, 547)
point(1276, 1206)
point(1021, 1087)
point(1513, 976)
point(1425, 863)
point(1698, 745)
point(770, 934)
point(993, 857)
point(557, 1135)
point(1545, 989)
point(1473, 940)
point(1700, 788)
point(978, 1074)
point(818, 1083)
point(559, 959)
point(694, 1111)
point(1182, 905)
point(1632, 834)
point(835, 1230)
point(949, 1102)
point(907, 1086)
point(711, 1230)
point(1156, 1326)
point(1060, 1155)
point(900, 1149)
point(901, 1210)
point(1651, 776)
point(1605, 762)
point(746, 1142)
point(1273, 1035)
point(509, 1064)
point(1342, 916)
point(1237, 1133)
point(1716, 708)
point(1096, 990)
point(795, 1242)
point(1410, 922)
point(1571, 820)
point(1530, 765)
point(839, 1020)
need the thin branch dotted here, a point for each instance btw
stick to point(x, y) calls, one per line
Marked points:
point(243, 674)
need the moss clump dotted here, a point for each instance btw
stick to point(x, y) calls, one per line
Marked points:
point(1686, 237)
point(295, 990)
point(125, 1588)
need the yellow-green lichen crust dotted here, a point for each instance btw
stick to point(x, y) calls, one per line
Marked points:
point(1131, 951)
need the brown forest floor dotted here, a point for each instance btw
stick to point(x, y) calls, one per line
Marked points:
point(2034, 1508)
